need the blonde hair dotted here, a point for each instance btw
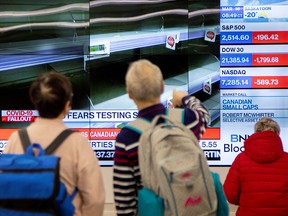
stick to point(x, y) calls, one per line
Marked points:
point(267, 124)
point(144, 80)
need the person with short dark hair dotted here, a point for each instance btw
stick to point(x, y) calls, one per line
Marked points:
point(51, 93)
point(257, 181)
point(144, 85)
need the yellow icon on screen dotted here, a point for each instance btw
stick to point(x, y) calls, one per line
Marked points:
point(262, 15)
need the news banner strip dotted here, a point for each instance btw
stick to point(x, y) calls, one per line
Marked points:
point(87, 116)
point(250, 13)
point(254, 103)
point(252, 71)
point(256, 37)
point(102, 141)
point(250, 99)
point(253, 27)
point(237, 78)
point(251, 55)
point(253, 33)
point(107, 147)
point(259, 49)
point(106, 154)
point(255, 82)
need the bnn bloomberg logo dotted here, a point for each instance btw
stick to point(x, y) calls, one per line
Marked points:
point(236, 144)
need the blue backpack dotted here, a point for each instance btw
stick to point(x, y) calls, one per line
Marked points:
point(30, 185)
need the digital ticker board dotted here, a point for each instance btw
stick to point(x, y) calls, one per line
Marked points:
point(253, 70)
point(246, 81)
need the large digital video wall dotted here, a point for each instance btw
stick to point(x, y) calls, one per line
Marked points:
point(229, 54)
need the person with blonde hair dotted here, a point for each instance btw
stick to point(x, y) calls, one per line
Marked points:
point(267, 124)
point(257, 181)
point(144, 85)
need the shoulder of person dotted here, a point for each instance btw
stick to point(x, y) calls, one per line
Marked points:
point(127, 135)
point(79, 136)
point(14, 135)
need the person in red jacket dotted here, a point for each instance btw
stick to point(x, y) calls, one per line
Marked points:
point(257, 181)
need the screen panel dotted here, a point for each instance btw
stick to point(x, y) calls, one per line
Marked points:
point(37, 37)
point(233, 58)
point(253, 73)
point(93, 42)
point(126, 31)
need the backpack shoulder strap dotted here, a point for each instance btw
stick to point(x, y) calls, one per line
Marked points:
point(176, 114)
point(57, 141)
point(139, 125)
point(25, 141)
point(52, 147)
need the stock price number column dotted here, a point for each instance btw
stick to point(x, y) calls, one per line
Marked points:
point(233, 76)
point(234, 31)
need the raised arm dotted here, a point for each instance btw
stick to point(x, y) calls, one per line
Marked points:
point(196, 116)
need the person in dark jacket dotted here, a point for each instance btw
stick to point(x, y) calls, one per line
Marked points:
point(258, 179)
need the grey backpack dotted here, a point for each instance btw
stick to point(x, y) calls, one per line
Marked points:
point(173, 165)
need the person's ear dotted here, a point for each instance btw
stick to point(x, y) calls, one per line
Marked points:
point(67, 107)
point(129, 93)
point(162, 87)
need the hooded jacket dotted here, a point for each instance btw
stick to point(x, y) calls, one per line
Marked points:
point(257, 180)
